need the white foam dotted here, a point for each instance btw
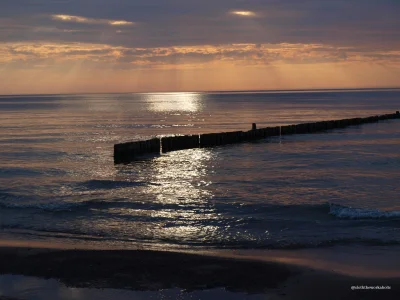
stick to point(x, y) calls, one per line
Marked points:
point(344, 212)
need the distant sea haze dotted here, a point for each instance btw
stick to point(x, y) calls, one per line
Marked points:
point(58, 181)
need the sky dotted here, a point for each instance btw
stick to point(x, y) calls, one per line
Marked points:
point(77, 46)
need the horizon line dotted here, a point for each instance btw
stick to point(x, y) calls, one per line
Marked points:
point(216, 91)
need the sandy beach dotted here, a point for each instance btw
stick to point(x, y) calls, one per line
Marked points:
point(141, 270)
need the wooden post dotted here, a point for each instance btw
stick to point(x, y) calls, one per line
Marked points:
point(175, 143)
point(127, 152)
point(286, 130)
point(207, 140)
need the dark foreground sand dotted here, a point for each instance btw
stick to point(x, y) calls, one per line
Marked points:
point(154, 270)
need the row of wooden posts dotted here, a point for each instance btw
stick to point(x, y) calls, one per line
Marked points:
point(127, 152)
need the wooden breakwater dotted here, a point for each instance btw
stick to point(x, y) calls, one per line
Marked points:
point(127, 152)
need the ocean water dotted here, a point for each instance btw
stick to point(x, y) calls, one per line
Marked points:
point(58, 181)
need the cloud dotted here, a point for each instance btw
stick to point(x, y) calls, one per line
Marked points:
point(160, 23)
point(77, 19)
point(243, 13)
point(103, 56)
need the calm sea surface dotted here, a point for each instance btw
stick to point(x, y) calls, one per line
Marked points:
point(58, 181)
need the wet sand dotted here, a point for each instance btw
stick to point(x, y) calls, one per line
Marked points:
point(141, 270)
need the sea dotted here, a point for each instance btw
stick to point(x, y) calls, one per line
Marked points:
point(59, 183)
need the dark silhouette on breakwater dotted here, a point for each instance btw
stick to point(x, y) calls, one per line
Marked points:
point(127, 152)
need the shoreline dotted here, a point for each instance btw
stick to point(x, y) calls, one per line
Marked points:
point(148, 270)
point(350, 260)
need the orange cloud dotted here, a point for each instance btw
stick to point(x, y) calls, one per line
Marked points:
point(199, 56)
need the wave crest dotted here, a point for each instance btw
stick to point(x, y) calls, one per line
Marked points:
point(344, 212)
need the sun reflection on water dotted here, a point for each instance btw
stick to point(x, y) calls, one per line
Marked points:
point(181, 178)
point(175, 207)
point(170, 102)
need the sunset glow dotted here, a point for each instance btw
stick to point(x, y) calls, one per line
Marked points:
point(133, 48)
